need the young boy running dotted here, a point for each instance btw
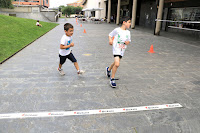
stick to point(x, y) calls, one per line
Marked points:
point(121, 39)
point(65, 49)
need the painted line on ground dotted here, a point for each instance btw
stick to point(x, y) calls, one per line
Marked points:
point(87, 112)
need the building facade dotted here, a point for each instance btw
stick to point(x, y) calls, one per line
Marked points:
point(89, 4)
point(76, 4)
point(44, 3)
point(145, 12)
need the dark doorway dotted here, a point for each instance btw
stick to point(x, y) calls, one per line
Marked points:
point(138, 12)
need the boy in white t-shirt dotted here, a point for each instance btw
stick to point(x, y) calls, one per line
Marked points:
point(65, 49)
point(38, 24)
point(122, 38)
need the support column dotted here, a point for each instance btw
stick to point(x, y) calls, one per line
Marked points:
point(118, 11)
point(109, 11)
point(103, 12)
point(134, 14)
point(159, 17)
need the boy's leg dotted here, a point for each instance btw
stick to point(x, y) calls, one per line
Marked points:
point(111, 66)
point(60, 66)
point(76, 65)
point(73, 59)
point(77, 68)
point(114, 70)
point(115, 66)
point(62, 61)
point(108, 70)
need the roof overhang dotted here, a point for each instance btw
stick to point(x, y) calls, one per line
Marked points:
point(92, 9)
point(84, 2)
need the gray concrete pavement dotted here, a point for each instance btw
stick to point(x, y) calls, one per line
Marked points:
point(29, 82)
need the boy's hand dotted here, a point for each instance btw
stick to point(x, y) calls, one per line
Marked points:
point(127, 42)
point(111, 42)
point(72, 44)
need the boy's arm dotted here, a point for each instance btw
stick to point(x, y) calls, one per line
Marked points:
point(111, 35)
point(127, 42)
point(67, 46)
point(128, 39)
point(110, 40)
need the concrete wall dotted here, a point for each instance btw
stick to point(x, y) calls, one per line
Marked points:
point(22, 9)
point(49, 15)
point(31, 12)
point(42, 16)
point(103, 12)
point(93, 4)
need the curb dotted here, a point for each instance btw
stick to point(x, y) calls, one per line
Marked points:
point(26, 46)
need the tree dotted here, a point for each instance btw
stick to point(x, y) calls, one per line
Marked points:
point(78, 9)
point(6, 4)
point(60, 8)
point(67, 10)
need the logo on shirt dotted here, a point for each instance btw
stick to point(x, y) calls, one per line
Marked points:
point(68, 43)
point(120, 42)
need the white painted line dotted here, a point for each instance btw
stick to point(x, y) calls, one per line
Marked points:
point(87, 112)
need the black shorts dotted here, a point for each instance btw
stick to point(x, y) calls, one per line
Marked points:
point(69, 56)
point(118, 56)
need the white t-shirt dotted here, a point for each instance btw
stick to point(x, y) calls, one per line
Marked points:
point(65, 40)
point(37, 23)
point(120, 36)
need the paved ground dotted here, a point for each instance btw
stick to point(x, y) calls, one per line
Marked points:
point(29, 82)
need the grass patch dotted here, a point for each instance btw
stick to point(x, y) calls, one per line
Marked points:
point(16, 33)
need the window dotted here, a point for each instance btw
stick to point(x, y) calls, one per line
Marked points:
point(185, 14)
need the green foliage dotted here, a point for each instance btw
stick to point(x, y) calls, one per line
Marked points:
point(6, 4)
point(60, 8)
point(15, 33)
point(68, 10)
point(78, 9)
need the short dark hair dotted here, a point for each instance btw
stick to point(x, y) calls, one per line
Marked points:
point(67, 26)
point(38, 21)
point(125, 19)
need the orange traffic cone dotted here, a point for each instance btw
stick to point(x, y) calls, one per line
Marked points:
point(84, 31)
point(151, 49)
point(80, 25)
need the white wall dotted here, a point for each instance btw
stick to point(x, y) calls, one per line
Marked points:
point(94, 4)
point(103, 5)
